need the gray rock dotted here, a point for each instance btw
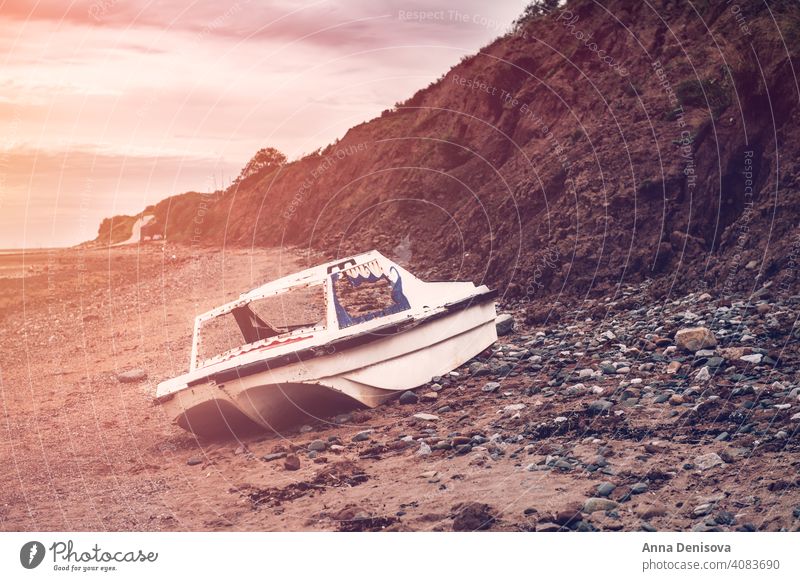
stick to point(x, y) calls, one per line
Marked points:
point(647, 527)
point(194, 461)
point(599, 406)
point(605, 488)
point(547, 527)
point(343, 419)
point(408, 397)
point(504, 324)
point(703, 509)
point(132, 376)
point(491, 387)
point(707, 461)
point(478, 369)
point(426, 417)
point(362, 436)
point(317, 446)
point(424, 449)
point(594, 504)
point(273, 456)
point(724, 517)
point(639, 488)
point(563, 465)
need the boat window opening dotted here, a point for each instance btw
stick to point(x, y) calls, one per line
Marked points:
point(218, 335)
point(363, 296)
point(298, 309)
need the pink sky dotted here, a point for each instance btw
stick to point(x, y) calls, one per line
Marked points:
point(109, 105)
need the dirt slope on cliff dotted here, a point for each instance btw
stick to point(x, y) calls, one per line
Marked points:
point(591, 145)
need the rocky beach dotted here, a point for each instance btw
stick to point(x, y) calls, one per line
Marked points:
point(636, 411)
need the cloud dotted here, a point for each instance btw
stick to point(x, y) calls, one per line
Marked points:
point(351, 24)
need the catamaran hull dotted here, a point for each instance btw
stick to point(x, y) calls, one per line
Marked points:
point(366, 374)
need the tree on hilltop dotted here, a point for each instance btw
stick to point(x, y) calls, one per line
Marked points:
point(265, 159)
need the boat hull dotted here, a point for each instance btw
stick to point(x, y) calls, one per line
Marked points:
point(367, 374)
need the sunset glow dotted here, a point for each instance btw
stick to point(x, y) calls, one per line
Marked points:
point(109, 105)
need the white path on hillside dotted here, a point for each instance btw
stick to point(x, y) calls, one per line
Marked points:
point(136, 230)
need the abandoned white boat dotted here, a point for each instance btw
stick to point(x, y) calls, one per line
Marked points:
point(349, 332)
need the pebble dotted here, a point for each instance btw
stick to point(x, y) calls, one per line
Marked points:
point(547, 527)
point(647, 527)
point(362, 436)
point(273, 456)
point(194, 461)
point(706, 461)
point(132, 376)
point(563, 465)
point(425, 417)
point(605, 488)
point(595, 504)
point(491, 387)
point(724, 517)
point(676, 399)
point(317, 446)
point(703, 509)
point(424, 449)
point(600, 406)
point(291, 462)
point(648, 511)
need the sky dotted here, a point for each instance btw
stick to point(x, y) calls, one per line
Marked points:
point(107, 106)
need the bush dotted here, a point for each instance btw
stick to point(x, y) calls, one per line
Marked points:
point(708, 93)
